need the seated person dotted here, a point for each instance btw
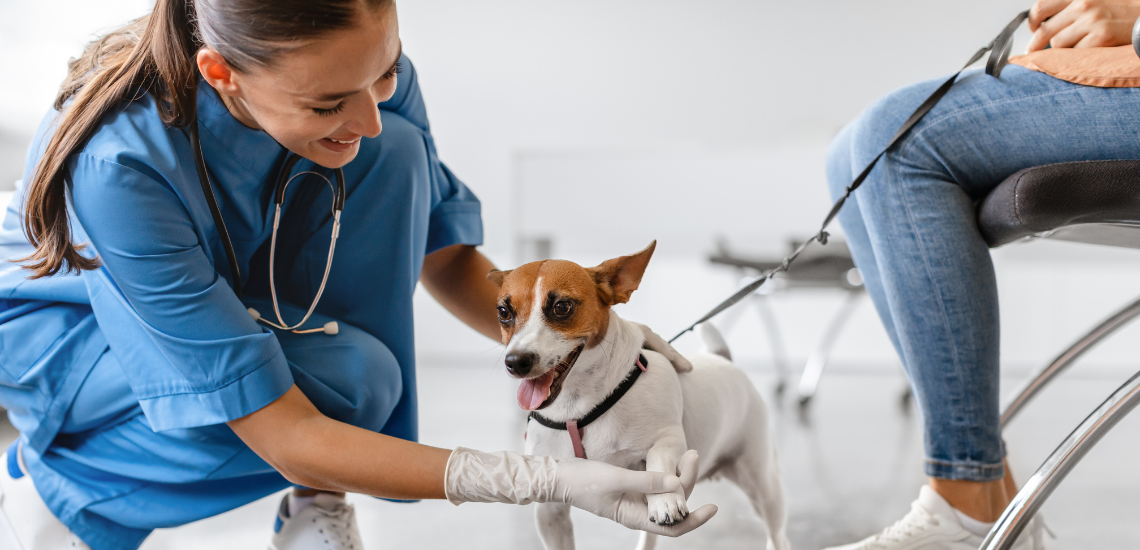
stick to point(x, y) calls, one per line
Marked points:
point(913, 233)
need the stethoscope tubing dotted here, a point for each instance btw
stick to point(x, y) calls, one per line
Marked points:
point(273, 254)
point(283, 181)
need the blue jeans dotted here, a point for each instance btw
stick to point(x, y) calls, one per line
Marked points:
point(913, 233)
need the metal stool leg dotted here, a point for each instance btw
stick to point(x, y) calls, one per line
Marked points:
point(1060, 463)
point(779, 357)
point(1066, 359)
point(809, 381)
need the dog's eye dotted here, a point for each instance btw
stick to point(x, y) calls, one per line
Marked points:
point(562, 308)
point(504, 314)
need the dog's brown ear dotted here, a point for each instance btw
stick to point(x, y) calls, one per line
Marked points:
point(619, 277)
point(496, 276)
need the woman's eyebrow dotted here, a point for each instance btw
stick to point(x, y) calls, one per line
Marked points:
point(342, 95)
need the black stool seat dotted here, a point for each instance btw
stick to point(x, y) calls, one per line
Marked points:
point(1096, 202)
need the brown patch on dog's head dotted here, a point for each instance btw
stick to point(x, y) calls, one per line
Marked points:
point(572, 300)
point(551, 310)
point(566, 299)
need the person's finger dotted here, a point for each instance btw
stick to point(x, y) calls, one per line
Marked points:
point(1095, 39)
point(628, 481)
point(680, 364)
point(695, 519)
point(1044, 9)
point(656, 343)
point(1071, 35)
point(688, 468)
point(1044, 36)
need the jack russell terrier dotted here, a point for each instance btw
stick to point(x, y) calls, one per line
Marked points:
point(579, 363)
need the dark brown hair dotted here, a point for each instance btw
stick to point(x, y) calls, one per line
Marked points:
point(156, 54)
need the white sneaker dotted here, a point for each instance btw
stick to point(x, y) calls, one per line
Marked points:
point(328, 523)
point(932, 524)
point(25, 521)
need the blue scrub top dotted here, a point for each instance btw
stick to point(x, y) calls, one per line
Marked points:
point(163, 300)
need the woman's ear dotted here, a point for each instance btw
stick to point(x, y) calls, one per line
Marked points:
point(619, 277)
point(496, 276)
point(216, 71)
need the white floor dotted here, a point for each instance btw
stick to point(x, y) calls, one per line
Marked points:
point(850, 465)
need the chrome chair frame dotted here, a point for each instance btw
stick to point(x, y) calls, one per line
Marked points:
point(1095, 202)
point(1049, 475)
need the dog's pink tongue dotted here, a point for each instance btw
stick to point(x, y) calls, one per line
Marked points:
point(534, 391)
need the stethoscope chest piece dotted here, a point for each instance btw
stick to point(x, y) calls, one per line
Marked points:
point(331, 328)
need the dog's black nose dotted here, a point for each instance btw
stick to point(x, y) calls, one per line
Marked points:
point(519, 364)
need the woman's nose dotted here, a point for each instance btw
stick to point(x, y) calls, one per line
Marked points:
point(367, 123)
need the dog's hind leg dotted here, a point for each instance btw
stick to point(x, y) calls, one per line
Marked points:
point(757, 473)
point(648, 541)
point(554, 526)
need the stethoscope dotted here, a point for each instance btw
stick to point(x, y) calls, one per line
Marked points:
point(283, 181)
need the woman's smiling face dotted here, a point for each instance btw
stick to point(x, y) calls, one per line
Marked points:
point(321, 97)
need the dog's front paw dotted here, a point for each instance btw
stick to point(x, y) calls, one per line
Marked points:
point(667, 508)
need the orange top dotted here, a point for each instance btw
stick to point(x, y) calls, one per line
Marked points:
point(1117, 67)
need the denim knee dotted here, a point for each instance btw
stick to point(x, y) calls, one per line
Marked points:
point(838, 167)
point(873, 130)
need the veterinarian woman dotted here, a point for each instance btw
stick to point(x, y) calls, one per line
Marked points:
point(913, 232)
point(146, 395)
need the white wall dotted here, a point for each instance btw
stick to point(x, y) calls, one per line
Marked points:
point(506, 75)
point(507, 78)
point(648, 85)
point(37, 39)
point(502, 75)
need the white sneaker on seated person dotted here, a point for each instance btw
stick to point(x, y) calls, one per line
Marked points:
point(932, 524)
point(25, 521)
point(321, 522)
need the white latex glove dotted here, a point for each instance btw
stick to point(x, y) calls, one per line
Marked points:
point(596, 487)
point(658, 344)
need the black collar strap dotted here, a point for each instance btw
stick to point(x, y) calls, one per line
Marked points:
point(575, 426)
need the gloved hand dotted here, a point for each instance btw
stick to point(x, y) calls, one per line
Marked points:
point(658, 344)
point(596, 487)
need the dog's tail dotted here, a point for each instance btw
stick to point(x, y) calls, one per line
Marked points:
point(712, 342)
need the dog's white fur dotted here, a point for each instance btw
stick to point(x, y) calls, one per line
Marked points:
point(714, 409)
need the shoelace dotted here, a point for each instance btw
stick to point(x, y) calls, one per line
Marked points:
point(340, 527)
point(917, 521)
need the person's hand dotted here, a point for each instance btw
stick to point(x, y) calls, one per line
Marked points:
point(1082, 23)
point(597, 487)
point(619, 494)
point(656, 343)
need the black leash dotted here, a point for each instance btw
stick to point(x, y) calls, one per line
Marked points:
point(999, 57)
point(575, 426)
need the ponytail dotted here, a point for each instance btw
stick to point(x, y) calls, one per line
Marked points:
point(156, 55)
point(152, 54)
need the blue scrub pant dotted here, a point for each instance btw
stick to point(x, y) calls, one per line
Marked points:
point(112, 479)
point(145, 479)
